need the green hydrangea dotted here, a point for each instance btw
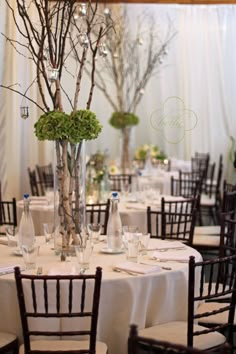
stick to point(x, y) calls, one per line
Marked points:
point(120, 120)
point(78, 126)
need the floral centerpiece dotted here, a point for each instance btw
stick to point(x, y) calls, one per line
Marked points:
point(49, 34)
point(124, 121)
point(96, 172)
point(142, 152)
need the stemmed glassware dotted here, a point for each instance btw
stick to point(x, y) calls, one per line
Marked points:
point(48, 229)
point(94, 231)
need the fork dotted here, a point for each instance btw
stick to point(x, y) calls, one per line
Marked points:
point(124, 271)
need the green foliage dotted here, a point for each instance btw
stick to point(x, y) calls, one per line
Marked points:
point(78, 126)
point(120, 120)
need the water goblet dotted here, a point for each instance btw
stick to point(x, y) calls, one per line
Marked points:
point(94, 230)
point(48, 229)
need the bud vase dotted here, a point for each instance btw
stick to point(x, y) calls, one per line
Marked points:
point(69, 200)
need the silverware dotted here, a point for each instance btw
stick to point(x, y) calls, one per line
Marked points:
point(124, 271)
point(165, 268)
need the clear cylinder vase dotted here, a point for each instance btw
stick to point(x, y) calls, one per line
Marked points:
point(70, 196)
point(126, 147)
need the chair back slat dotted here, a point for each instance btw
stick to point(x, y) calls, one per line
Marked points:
point(33, 295)
point(70, 296)
point(58, 305)
point(117, 181)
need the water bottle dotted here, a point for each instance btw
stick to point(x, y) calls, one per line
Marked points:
point(114, 226)
point(26, 227)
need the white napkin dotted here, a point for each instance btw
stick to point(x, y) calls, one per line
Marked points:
point(137, 267)
point(3, 240)
point(7, 269)
point(63, 270)
point(135, 206)
point(168, 245)
point(170, 256)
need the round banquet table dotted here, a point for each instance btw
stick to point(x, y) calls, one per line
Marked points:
point(145, 299)
point(132, 212)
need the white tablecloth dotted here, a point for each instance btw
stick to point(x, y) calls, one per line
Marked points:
point(144, 299)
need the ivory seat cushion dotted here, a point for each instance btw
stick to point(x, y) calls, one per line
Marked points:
point(6, 338)
point(207, 230)
point(210, 306)
point(206, 240)
point(176, 332)
point(50, 345)
point(207, 201)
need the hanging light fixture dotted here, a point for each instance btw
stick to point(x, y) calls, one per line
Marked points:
point(52, 73)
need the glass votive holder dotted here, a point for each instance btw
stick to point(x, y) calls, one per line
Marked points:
point(30, 254)
point(84, 253)
point(144, 241)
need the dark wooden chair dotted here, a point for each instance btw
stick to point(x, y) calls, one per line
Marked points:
point(45, 301)
point(208, 240)
point(175, 221)
point(141, 345)
point(34, 183)
point(8, 215)
point(8, 343)
point(199, 163)
point(185, 187)
point(190, 332)
point(45, 176)
point(211, 198)
point(117, 181)
point(98, 213)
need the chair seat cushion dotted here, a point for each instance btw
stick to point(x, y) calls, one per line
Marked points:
point(176, 332)
point(210, 306)
point(64, 345)
point(6, 338)
point(207, 201)
point(207, 230)
point(206, 240)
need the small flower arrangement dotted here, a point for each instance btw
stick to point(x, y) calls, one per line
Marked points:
point(155, 152)
point(97, 166)
point(113, 168)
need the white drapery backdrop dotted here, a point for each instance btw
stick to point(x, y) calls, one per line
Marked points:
point(196, 83)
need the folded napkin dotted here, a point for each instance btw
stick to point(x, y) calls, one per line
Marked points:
point(171, 256)
point(137, 267)
point(4, 240)
point(168, 245)
point(63, 270)
point(7, 269)
point(135, 206)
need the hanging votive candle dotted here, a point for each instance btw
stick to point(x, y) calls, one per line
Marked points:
point(83, 39)
point(107, 12)
point(102, 50)
point(82, 10)
point(24, 112)
point(52, 74)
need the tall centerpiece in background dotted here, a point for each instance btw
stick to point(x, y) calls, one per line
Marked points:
point(135, 56)
point(51, 32)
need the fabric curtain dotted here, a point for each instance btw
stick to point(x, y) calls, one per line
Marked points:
point(188, 106)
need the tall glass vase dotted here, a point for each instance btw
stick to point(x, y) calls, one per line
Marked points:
point(70, 202)
point(126, 150)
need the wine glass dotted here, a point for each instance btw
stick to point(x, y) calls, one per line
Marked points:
point(48, 229)
point(94, 230)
